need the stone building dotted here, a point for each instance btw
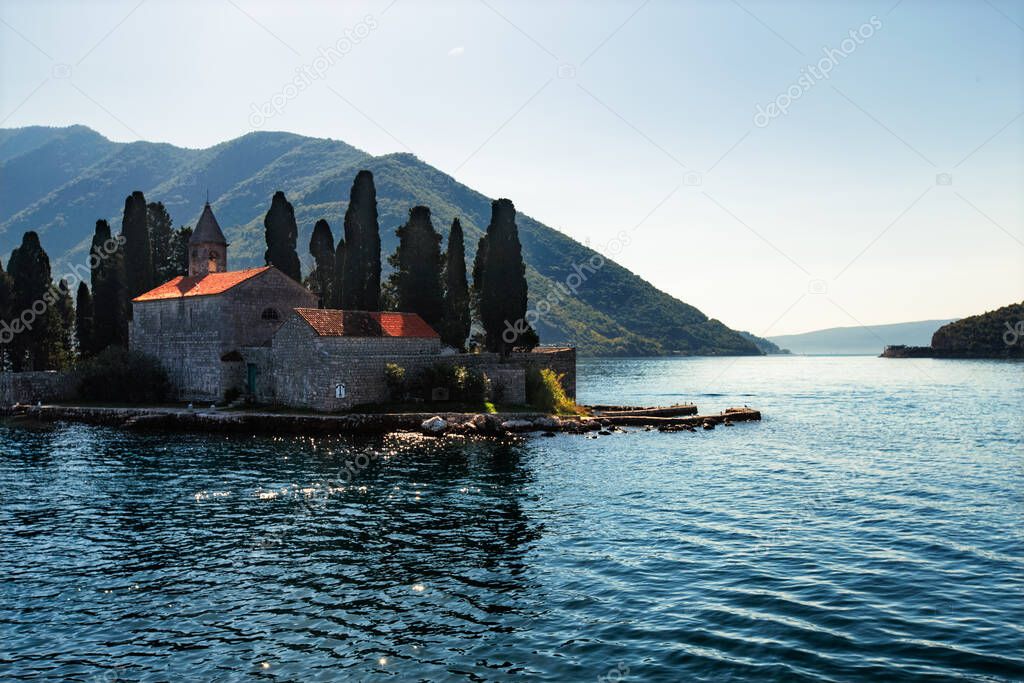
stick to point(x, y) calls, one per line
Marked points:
point(257, 334)
point(192, 322)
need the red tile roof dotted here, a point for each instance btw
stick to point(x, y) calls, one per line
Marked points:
point(334, 323)
point(201, 285)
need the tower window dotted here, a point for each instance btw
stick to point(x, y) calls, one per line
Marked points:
point(270, 314)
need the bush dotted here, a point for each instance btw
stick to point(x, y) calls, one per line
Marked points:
point(475, 386)
point(461, 383)
point(544, 392)
point(394, 377)
point(119, 376)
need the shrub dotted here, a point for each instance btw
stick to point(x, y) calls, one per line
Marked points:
point(394, 377)
point(461, 383)
point(544, 392)
point(475, 386)
point(121, 376)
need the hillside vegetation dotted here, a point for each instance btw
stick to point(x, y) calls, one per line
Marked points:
point(59, 181)
point(995, 334)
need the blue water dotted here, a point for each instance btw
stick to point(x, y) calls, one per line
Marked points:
point(870, 528)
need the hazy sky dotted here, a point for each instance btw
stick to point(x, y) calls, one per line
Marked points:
point(889, 189)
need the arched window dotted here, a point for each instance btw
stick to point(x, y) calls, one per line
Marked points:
point(212, 267)
point(270, 314)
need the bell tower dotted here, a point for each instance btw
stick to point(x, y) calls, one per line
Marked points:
point(207, 248)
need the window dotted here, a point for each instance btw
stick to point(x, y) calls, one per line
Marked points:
point(212, 265)
point(270, 314)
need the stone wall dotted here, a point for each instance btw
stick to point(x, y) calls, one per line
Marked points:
point(273, 292)
point(562, 360)
point(337, 373)
point(32, 387)
point(184, 335)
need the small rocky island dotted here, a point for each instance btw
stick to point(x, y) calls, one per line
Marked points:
point(995, 334)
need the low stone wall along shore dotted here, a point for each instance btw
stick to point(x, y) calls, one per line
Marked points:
point(269, 422)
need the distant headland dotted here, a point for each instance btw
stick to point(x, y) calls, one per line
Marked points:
point(995, 334)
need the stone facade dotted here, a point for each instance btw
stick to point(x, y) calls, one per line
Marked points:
point(190, 335)
point(31, 387)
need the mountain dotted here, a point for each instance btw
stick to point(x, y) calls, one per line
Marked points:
point(868, 340)
point(59, 181)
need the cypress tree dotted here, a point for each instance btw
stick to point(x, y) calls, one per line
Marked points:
point(6, 334)
point(83, 320)
point(321, 248)
point(337, 295)
point(417, 268)
point(34, 299)
point(161, 238)
point(138, 252)
point(282, 235)
point(360, 280)
point(62, 329)
point(110, 316)
point(456, 322)
point(500, 277)
point(178, 252)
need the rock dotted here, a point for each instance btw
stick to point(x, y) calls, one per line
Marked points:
point(548, 434)
point(727, 423)
point(434, 425)
point(604, 432)
point(708, 424)
point(516, 425)
point(547, 422)
point(488, 425)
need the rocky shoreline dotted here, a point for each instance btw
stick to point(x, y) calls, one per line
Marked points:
point(268, 422)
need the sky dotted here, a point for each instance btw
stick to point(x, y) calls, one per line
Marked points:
point(783, 166)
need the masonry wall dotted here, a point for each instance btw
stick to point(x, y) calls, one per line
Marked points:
point(306, 369)
point(243, 323)
point(185, 336)
point(30, 387)
point(562, 360)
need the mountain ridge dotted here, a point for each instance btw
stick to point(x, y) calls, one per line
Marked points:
point(858, 340)
point(62, 180)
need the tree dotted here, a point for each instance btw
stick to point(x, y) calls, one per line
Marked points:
point(6, 333)
point(282, 236)
point(161, 239)
point(321, 248)
point(110, 315)
point(456, 321)
point(499, 275)
point(178, 252)
point(84, 320)
point(138, 253)
point(62, 342)
point(360, 280)
point(417, 268)
point(337, 296)
point(34, 301)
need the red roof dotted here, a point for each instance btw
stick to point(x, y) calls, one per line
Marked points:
point(334, 323)
point(201, 285)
